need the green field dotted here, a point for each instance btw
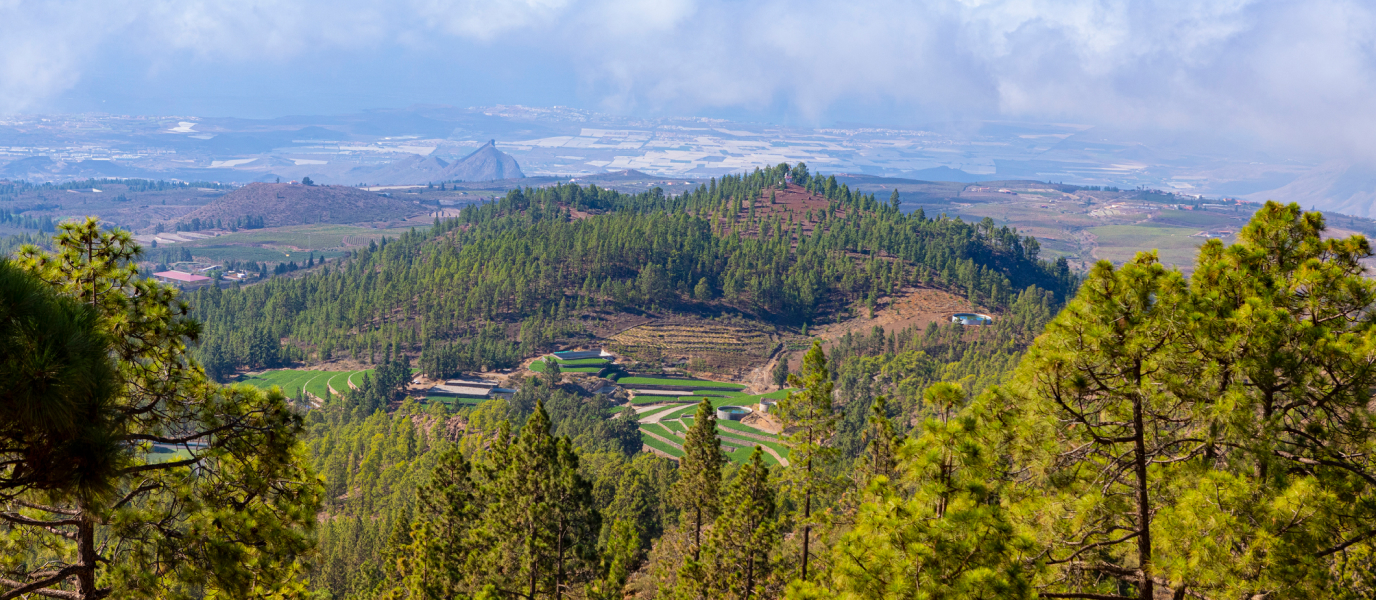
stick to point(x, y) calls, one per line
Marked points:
point(657, 429)
point(742, 455)
point(1120, 243)
point(662, 411)
point(693, 383)
point(779, 447)
point(282, 244)
point(755, 399)
point(658, 445)
point(582, 362)
point(675, 426)
point(1203, 219)
point(291, 380)
point(221, 253)
point(539, 367)
point(717, 394)
point(654, 399)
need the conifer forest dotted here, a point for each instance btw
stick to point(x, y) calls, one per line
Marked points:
point(1127, 432)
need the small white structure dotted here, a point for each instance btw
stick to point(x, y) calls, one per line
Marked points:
point(971, 319)
point(732, 413)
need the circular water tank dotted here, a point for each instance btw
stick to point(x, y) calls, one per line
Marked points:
point(971, 319)
point(732, 413)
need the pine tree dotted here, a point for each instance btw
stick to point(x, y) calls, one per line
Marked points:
point(881, 449)
point(698, 488)
point(540, 530)
point(780, 373)
point(129, 516)
point(737, 552)
point(553, 373)
point(940, 531)
point(808, 412)
point(1175, 431)
point(448, 506)
point(703, 290)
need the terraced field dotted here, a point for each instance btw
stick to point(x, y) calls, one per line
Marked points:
point(721, 344)
point(567, 367)
point(314, 382)
point(687, 383)
point(667, 425)
point(581, 362)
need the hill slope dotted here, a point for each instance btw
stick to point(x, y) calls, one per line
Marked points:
point(1336, 186)
point(281, 204)
point(412, 169)
point(487, 163)
point(570, 265)
point(484, 164)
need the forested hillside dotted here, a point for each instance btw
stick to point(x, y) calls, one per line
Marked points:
point(1157, 436)
point(506, 279)
point(1163, 437)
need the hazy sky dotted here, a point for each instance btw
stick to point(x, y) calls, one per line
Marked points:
point(1288, 72)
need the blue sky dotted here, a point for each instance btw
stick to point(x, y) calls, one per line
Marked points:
point(1286, 73)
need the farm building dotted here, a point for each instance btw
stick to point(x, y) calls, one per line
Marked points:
point(182, 280)
point(582, 354)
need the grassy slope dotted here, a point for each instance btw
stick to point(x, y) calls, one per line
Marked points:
point(658, 445)
point(314, 382)
point(698, 383)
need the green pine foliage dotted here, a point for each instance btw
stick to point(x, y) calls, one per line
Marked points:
point(89, 506)
point(737, 558)
point(450, 293)
point(937, 529)
point(1207, 435)
point(698, 490)
point(809, 414)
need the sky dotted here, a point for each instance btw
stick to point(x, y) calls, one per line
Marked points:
point(1287, 73)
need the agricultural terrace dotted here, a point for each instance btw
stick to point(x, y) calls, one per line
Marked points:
point(721, 345)
point(585, 365)
point(643, 399)
point(685, 383)
point(313, 382)
point(663, 428)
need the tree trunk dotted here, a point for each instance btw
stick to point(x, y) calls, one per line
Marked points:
point(559, 580)
point(1143, 502)
point(749, 575)
point(697, 534)
point(807, 517)
point(86, 548)
point(534, 561)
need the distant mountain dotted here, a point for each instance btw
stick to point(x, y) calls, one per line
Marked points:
point(1335, 186)
point(412, 169)
point(44, 168)
point(487, 163)
point(293, 204)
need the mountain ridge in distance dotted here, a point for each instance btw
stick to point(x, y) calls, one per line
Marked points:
point(487, 163)
point(280, 204)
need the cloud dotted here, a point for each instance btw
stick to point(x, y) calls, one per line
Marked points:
point(1286, 71)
